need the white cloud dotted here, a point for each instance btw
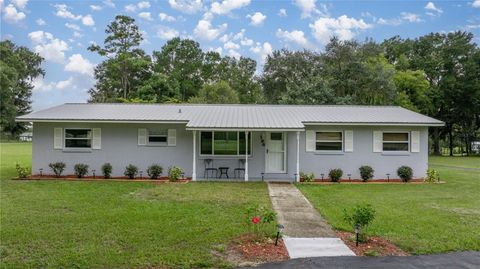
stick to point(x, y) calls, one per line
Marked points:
point(343, 27)
point(309, 7)
point(166, 17)
point(297, 37)
point(39, 85)
point(145, 15)
point(257, 18)
point(72, 26)
point(433, 10)
point(95, 7)
point(185, 6)
point(240, 36)
point(476, 3)
point(231, 45)
point(63, 12)
point(394, 21)
point(21, 4)
point(11, 15)
point(226, 6)
point(88, 20)
point(40, 22)
point(262, 50)
point(167, 33)
point(205, 30)
point(282, 12)
point(108, 3)
point(235, 54)
point(410, 17)
point(138, 6)
point(64, 83)
point(77, 34)
point(49, 47)
point(78, 64)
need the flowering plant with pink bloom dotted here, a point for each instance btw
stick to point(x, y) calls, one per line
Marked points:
point(261, 219)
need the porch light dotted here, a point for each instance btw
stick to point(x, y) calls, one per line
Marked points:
point(41, 171)
point(388, 177)
point(93, 172)
point(279, 230)
point(358, 229)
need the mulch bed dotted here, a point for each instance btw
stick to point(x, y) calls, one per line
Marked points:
point(100, 178)
point(250, 250)
point(373, 181)
point(375, 246)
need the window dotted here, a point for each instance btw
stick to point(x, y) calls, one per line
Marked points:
point(224, 143)
point(328, 141)
point(78, 138)
point(395, 141)
point(157, 137)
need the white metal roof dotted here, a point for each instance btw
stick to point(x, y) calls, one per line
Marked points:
point(233, 116)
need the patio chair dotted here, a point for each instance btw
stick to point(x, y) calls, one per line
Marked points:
point(241, 168)
point(209, 168)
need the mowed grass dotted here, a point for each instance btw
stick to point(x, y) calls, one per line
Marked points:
point(419, 218)
point(59, 224)
point(465, 162)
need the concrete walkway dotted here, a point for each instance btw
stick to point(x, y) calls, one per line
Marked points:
point(306, 233)
point(458, 260)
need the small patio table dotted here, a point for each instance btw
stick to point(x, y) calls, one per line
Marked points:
point(223, 171)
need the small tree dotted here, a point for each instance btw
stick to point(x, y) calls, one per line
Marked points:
point(366, 172)
point(362, 215)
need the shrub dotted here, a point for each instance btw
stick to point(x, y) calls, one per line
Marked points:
point(307, 177)
point(362, 215)
point(335, 174)
point(366, 172)
point(57, 168)
point(131, 171)
point(432, 176)
point(81, 169)
point(260, 219)
point(107, 170)
point(22, 171)
point(174, 173)
point(405, 173)
point(154, 171)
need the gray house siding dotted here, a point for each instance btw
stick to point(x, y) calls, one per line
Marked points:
point(119, 147)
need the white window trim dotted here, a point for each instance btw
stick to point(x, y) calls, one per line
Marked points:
point(408, 141)
point(157, 135)
point(330, 131)
point(219, 155)
point(72, 148)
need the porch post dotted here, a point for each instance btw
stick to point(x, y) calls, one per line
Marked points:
point(194, 170)
point(246, 155)
point(298, 157)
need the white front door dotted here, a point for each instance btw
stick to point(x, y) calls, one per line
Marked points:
point(275, 152)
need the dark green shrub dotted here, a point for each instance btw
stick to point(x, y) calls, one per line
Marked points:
point(81, 169)
point(57, 168)
point(366, 172)
point(174, 173)
point(131, 171)
point(335, 174)
point(405, 173)
point(154, 171)
point(22, 171)
point(107, 170)
point(362, 215)
point(307, 177)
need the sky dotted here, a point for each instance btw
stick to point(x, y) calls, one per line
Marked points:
point(61, 31)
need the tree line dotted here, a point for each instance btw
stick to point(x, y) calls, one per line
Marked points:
point(437, 74)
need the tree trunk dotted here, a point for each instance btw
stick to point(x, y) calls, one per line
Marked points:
point(450, 138)
point(436, 142)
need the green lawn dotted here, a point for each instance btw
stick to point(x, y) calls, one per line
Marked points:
point(467, 162)
point(422, 218)
point(60, 224)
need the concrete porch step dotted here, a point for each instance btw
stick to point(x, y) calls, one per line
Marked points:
point(316, 247)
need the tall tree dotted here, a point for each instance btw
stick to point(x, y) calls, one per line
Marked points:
point(216, 93)
point(126, 66)
point(18, 67)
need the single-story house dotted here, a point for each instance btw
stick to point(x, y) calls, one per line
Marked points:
point(249, 142)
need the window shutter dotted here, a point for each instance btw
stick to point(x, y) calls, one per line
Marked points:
point(142, 137)
point(310, 140)
point(348, 141)
point(172, 137)
point(415, 147)
point(377, 141)
point(97, 138)
point(57, 138)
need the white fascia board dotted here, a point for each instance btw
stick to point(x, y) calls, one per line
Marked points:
point(102, 121)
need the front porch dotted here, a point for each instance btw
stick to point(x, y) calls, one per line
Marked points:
point(246, 155)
